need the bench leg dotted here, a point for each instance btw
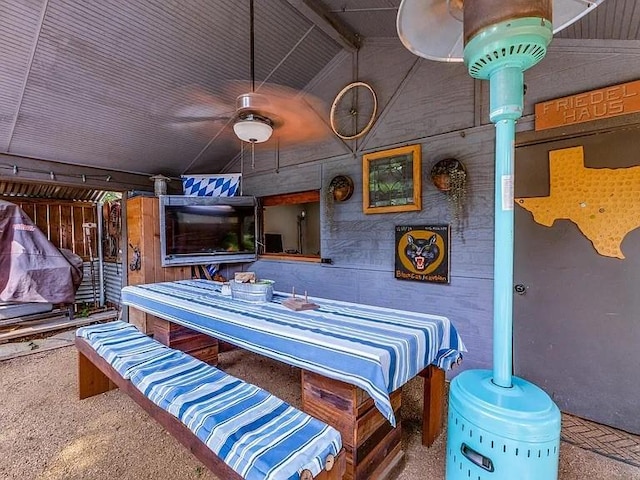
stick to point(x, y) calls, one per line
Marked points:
point(91, 381)
point(433, 404)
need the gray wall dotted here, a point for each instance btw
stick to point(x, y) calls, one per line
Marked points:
point(440, 107)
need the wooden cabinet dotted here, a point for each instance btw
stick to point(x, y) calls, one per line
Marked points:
point(143, 227)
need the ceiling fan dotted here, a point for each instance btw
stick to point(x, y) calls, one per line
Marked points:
point(497, 40)
point(260, 112)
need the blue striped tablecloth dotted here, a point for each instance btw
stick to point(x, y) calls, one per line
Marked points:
point(377, 349)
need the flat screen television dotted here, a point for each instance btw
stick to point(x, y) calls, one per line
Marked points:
point(205, 230)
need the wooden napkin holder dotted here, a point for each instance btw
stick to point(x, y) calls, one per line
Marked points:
point(299, 303)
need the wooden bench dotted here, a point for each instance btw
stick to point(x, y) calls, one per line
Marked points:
point(236, 429)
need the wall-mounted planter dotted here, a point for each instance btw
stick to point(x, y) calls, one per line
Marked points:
point(450, 177)
point(448, 174)
point(341, 188)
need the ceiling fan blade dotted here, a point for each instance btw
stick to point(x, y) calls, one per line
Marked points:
point(184, 120)
point(193, 110)
point(297, 120)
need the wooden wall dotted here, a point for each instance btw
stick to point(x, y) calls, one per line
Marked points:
point(61, 221)
point(440, 107)
point(143, 233)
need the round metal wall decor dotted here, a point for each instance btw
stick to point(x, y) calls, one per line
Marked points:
point(341, 188)
point(447, 174)
point(353, 111)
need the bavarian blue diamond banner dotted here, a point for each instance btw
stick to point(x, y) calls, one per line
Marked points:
point(215, 185)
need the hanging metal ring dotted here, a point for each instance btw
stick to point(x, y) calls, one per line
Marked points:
point(346, 108)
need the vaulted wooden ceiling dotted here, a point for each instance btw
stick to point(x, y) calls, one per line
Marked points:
point(96, 83)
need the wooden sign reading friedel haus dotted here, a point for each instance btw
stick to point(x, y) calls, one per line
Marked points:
point(594, 105)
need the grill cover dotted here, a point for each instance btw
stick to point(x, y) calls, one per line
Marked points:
point(32, 269)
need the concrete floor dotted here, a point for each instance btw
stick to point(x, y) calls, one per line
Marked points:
point(46, 433)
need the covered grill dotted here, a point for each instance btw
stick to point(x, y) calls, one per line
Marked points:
point(32, 269)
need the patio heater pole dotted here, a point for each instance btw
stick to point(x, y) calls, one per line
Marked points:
point(506, 97)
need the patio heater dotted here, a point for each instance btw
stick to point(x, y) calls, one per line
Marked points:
point(499, 426)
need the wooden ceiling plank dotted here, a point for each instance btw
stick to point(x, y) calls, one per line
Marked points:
point(328, 23)
point(27, 72)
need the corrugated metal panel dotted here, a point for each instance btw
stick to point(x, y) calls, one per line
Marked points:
point(39, 190)
point(89, 290)
point(113, 282)
point(18, 36)
point(103, 68)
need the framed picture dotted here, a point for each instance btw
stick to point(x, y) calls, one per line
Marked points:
point(391, 180)
point(422, 253)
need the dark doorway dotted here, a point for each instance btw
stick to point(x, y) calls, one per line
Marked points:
point(577, 313)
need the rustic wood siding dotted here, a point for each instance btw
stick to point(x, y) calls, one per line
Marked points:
point(61, 221)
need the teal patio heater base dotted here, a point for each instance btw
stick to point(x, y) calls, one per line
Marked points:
point(501, 433)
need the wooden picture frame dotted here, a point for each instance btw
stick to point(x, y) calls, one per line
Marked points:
point(391, 180)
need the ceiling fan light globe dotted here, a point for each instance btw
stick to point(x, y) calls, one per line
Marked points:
point(253, 130)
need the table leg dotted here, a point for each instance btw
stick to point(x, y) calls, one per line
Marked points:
point(373, 447)
point(196, 344)
point(433, 404)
